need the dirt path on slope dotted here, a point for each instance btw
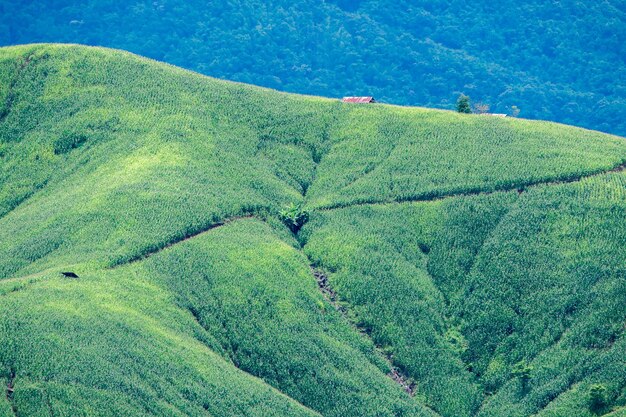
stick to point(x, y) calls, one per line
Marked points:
point(435, 195)
point(176, 240)
point(329, 293)
point(9, 391)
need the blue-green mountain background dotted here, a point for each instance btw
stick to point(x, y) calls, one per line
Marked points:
point(556, 60)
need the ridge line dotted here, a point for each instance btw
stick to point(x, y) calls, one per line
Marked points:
point(437, 196)
point(395, 374)
point(179, 239)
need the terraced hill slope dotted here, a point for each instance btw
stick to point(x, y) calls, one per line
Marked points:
point(452, 265)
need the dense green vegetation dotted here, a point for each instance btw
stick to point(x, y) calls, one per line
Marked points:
point(560, 60)
point(479, 257)
point(523, 278)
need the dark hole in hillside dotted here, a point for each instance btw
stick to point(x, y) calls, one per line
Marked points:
point(69, 274)
point(316, 155)
point(424, 248)
point(294, 217)
point(570, 308)
point(303, 185)
point(10, 389)
point(406, 384)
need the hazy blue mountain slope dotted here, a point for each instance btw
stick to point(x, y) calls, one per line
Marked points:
point(560, 61)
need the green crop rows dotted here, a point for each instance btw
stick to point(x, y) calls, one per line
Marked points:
point(483, 258)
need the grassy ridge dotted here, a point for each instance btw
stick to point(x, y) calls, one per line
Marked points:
point(380, 258)
point(536, 279)
point(107, 158)
point(113, 343)
point(152, 158)
point(567, 322)
point(275, 324)
point(381, 154)
point(168, 152)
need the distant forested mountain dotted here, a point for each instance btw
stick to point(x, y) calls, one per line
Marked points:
point(558, 60)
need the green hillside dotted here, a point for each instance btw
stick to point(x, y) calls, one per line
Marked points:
point(451, 266)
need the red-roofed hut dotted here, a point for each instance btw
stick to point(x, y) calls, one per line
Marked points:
point(361, 100)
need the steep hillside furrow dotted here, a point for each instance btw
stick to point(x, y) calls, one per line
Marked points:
point(331, 295)
point(395, 374)
point(573, 375)
point(233, 302)
point(447, 297)
point(10, 391)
